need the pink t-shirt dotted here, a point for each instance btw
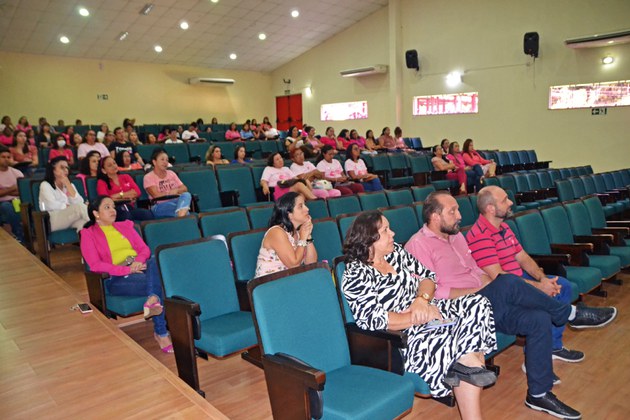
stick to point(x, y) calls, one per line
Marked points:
point(85, 148)
point(164, 185)
point(21, 157)
point(9, 179)
point(357, 167)
point(490, 246)
point(65, 152)
point(302, 169)
point(232, 135)
point(331, 169)
point(329, 142)
point(6, 140)
point(274, 175)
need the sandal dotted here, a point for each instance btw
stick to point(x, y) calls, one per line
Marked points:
point(153, 309)
point(477, 376)
point(166, 349)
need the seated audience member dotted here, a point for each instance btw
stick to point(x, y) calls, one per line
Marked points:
point(294, 139)
point(30, 136)
point(386, 140)
point(312, 145)
point(214, 157)
point(232, 134)
point(88, 166)
point(371, 144)
point(161, 184)
point(23, 124)
point(59, 148)
point(240, 156)
point(134, 139)
point(519, 308)
point(100, 136)
point(330, 139)
point(6, 122)
point(59, 197)
point(356, 139)
point(121, 144)
point(333, 172)
point(445, 143)
point(115, 247)
point(172, 138)
point(343, 139)
point(305, 170)
point(191, 135)
point(473, 173)
point(89, 144)
point(68, 133)
point(109, 139)
point(288, 242)
point(214, 121)
point(247, 133)
point(6, 138)
point(123, 160)
point(270, 132)
point(151, 139)
point(122, 189)
point(282, 180)
point(453, 173)
point(76, 140)
point(44, 138)
point(24, 155)
point(357, 171)
point(164, 134)
point(266, 124)
point(9, 218)
point(400, 141)
point(387, 288)
point(472, 158)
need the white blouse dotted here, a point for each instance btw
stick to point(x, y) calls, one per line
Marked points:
point(51, 199)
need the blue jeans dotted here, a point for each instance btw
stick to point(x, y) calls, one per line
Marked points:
point(8, 215)
point(141, 284)
point(563, 297)
point(129, 212)
point(474, 179)
point(521, 309)
point(373, 185)
point(171, 207)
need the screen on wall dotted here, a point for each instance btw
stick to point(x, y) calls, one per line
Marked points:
point(453, 103)
point(343, 111)
point(590, 95)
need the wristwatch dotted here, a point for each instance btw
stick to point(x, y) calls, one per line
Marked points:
point(426, 297)
point(309, 240)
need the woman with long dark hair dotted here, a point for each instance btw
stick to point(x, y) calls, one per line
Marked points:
point(24, 154)
point(122, 189)
point(333, 172)
point(282, 180)
point(288, 242)
point(453, 173)
point(161, 183)
point(357, 171)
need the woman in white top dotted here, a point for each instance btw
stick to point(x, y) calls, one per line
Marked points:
point(60, 198)
point(282, 180)
point(333, 172)
point(307, 171)
point(357, 171)
point(294, 139)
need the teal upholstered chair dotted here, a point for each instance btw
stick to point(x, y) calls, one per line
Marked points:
point(170, 231)
point(244, 248)
point(327, 240)
point(421, 193)
point(466, 210)
point(399, 197)
point(201, 304)
point(259, 215)
point(343, 205)
point(598, 216)
point(343, 222)
point(203, 185)
point(403, 221)
point(223, 222)
point(318, 209)
point(237, 178)
point(373, 200)
point(308, 353)
point(400, 171)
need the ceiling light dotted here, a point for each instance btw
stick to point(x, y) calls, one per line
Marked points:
point(295, 13)
point(64, 39)
point(123, 35)
point(609, 59)
point(147, 9)
point(262, 36)
point(214, 1)
point(454, 78)
point(158, 49)
point(84, 12)
point(233, 56)
point(184, 25)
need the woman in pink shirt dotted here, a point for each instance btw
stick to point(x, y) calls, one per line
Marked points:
point(232, 134)
point(453, 173)
point(333, 172)
point(386, 140)
point(165, 188)
point(122, 189)
point(474, 173)
point(343, 140)
point(357, 171)
point(330, 139)
point(305, 170)
point(22, 153)
point(313, 144)
point(23, 125)
point(356, 139)
point(472, 158)
point(282, 180)
point(60, 148)
point(6, 138)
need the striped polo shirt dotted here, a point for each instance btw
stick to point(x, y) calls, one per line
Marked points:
point(490, 245)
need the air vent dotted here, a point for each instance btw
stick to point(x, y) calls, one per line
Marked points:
point(364, 71)
point(210, 81)
point(599, 40)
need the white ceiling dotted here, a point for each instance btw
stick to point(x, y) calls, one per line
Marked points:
point(216, 30)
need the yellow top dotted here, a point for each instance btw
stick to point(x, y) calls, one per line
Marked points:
point(119, 246)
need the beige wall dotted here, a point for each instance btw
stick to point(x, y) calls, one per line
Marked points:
point(484, 40)
point(66, 88)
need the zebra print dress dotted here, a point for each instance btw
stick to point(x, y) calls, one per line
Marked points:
point(430, 352)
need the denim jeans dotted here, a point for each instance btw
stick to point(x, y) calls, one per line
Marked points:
point(141, 284)
point(129, 212)
point(373, 185)
point(8, 215)
point(171, 207)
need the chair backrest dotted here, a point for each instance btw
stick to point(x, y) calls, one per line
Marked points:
point(237, 178)
point(199, 150)
point(399, 197)
point(146, 150)
point(199, 270)
point(418, 206)
point(403, 221)
point(179, 151)
point(544, 178)
point(343, 222)
point(512, 224)
point(618, 179)
point(244, 248)
point(574, 172)
point(373, 200)
point(223, 222)
point(397, 161)
point(507, 182)
point(318, 209)
point(257, 172)
point(380, 163)
point(204, 185)
point(532, 156)
point(595, 211)
point(578, 187)
point(24, 188)
point(564, 173)
point(578, 217)
point(521, 182)
point(341, 205)
point(557, 224)
point(582, 170)
point(513, 157)
point(327, 240)
point(554, 174)
point(339, 266)
point(421, 193)
point(533, 181)
point(170, 231)
point(533, 234)
point(90, 183)
point(512, 198)
point(473, 203)
point(600, 183)
point(466, 210)
point(259, 216)
point(565, 191)
point(297, 312)
point(419, 164)
point(139, 178)
point(589, 184)
point(523, 157)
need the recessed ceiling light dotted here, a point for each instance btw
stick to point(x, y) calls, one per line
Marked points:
point(184, 25)
point(123, 35)
point(233, 56)
point(147, 9)
point(158, 49)
point(84, 12)
point(609, 59)
point(295, 13)
point(262, 36)
point(64, 39)
point(214, 1)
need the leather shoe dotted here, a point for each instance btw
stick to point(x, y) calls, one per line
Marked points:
point(591, 317)
point(550, 404)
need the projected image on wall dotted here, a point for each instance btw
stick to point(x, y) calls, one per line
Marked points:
point(343, 111)
point(590, 95)
point(455, 103)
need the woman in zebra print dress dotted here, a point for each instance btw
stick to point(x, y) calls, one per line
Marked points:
point(387, 288)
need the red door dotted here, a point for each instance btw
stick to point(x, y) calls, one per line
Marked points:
point(289, 111)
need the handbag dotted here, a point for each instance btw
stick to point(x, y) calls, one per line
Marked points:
point(288, 183)
point(322, 184)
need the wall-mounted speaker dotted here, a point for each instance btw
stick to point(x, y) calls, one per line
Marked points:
point(530, 44)
point(411, 58)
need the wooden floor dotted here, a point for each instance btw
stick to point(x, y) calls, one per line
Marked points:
point(597, 386)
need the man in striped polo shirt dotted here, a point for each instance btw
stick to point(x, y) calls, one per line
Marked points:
point(496, 250)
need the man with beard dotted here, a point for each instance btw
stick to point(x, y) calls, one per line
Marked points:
point(519, 308)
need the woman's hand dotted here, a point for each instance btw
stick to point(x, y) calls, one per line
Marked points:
point(306, 229)
point(137, 267)
point(265, 189)
point(422, 312)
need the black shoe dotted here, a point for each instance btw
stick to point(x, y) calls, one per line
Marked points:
point(550, 404)
point(477, 376)
point(566, 355)
point(556, 379)
point(590, 317)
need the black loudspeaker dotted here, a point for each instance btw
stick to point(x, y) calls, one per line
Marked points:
point(411, 57)
point(530, 44)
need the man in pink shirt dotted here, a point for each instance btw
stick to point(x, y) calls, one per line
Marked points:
point(518, 307)
point(8, 192)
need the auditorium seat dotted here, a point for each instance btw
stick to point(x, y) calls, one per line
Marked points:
point(402, 221)
point(259, 215)
point(223, 222)
point(342, 205)
point(372, 200)
point(327, 240)
point(169, 231)
point(399, 197)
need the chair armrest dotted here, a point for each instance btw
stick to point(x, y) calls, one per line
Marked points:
point(576, 251)
point(527, 196)
point(96, 290)
point(619, 233)
point(601, 243)
point(164, 198)
point(27, 226)
point(229, 198)
point(623, 192)
point(185, 306)
point(378, 349)
point(553, 263)
point(618, 223)
point(41, 227)
point(307, 374)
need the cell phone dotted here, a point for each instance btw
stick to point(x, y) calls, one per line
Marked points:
point(84, 308)
point(438, 323)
